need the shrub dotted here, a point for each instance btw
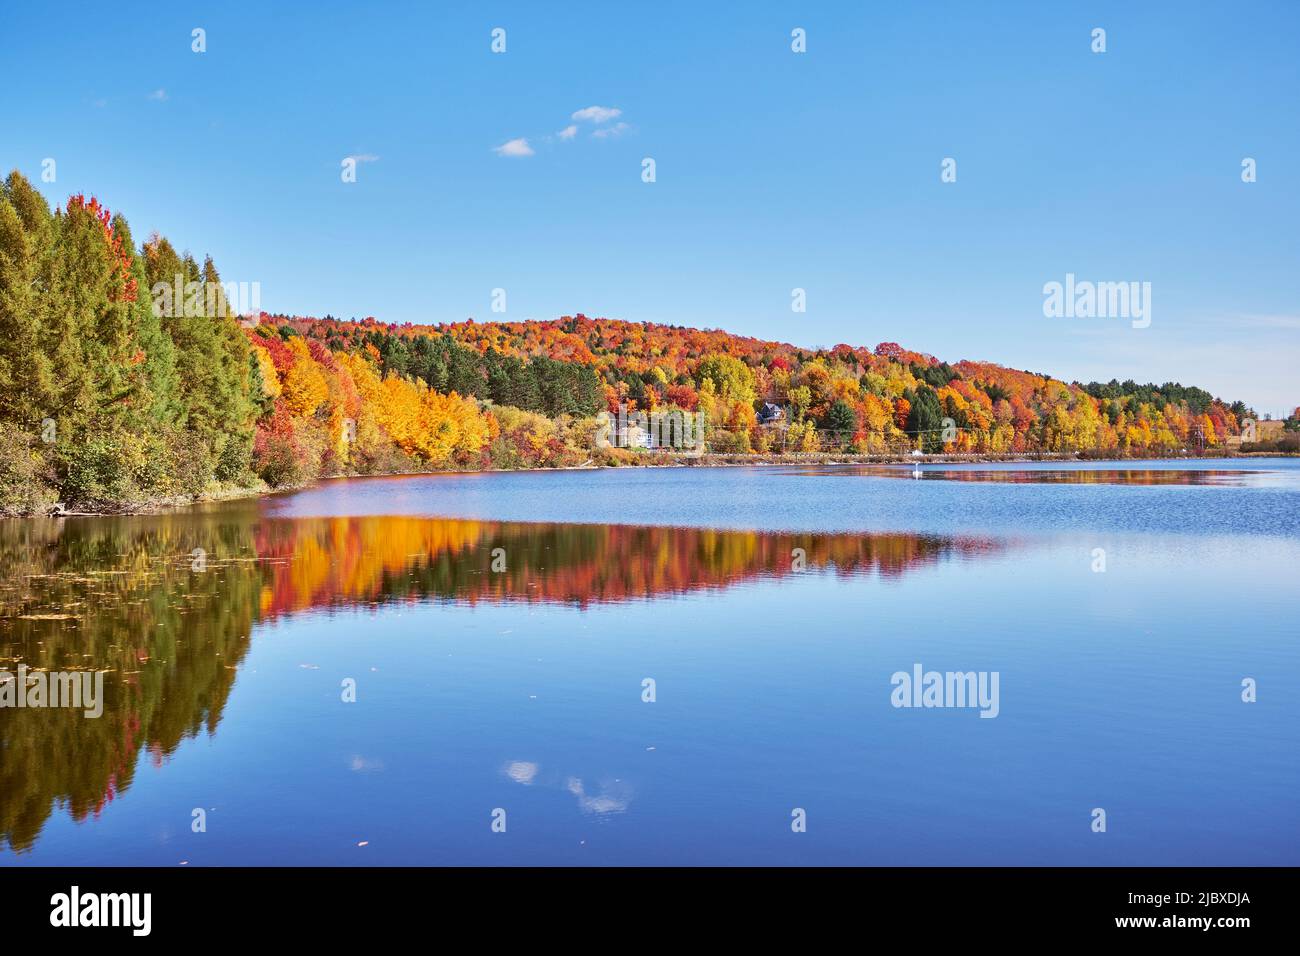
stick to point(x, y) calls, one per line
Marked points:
point(26, 481)
point(102, 467)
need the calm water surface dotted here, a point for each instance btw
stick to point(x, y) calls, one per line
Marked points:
point(770, 606)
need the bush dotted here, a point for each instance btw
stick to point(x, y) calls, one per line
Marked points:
point(232, 463)
point(277, 462)
point(1287, 443)
point(189, 458)
point(102, 467)
point(26, 480)
point(612, 457)
point(530, 440)
point(723, 442)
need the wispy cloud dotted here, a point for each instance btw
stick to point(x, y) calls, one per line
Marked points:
point(618, 129)
point(568, 132)
point(1271, 321)
point(613, 797)
point(597, 114)
point(514, 147)
point(159, 95)
point(363, 158)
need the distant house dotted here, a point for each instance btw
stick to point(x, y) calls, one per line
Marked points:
point(634, 436)
point(771, 414)
point(1269, 430)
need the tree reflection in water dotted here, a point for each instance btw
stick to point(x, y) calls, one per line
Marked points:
point(165, 605)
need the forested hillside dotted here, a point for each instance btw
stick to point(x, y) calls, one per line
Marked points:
point(851, 398)
point(113, 393)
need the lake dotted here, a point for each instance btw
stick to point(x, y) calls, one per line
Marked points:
point(670, 666)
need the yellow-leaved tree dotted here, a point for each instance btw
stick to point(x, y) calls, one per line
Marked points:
point(305, 388)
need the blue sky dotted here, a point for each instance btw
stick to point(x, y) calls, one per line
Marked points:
point(775, 170)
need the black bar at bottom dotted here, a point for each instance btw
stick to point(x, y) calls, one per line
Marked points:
point(241, 904)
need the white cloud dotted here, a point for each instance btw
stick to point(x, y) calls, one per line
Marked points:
point(597, 114)
point(514, 147)
point(158, 95)
point(363, 158)
point(521, 771)
point(618, 129)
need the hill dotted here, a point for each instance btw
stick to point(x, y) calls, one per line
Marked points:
point(126, 377)
point(865, 399)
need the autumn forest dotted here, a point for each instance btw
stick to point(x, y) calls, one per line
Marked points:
point(114, 394)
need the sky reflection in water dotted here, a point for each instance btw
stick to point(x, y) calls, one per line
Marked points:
point(521, 688)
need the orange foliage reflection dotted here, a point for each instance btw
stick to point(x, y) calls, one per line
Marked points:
point(321, 562)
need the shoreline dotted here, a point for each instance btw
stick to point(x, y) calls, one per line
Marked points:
point(176, 503)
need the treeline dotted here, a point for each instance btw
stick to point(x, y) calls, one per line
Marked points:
point(102, 397)
point(1198, 400)
point(846, 398)
point(539, 384)
point(126, 376)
